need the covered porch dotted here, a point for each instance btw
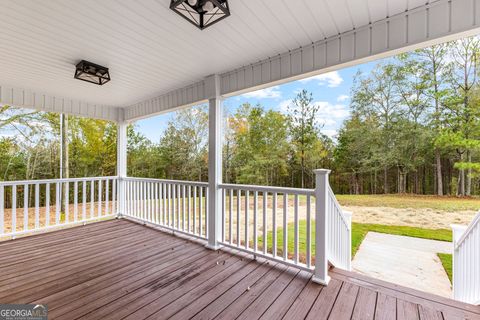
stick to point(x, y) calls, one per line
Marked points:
point(189, 249)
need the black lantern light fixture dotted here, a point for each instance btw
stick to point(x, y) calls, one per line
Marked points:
point(91, 72)
point(202, 13)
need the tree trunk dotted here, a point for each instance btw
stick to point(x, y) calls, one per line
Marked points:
point(468, 189)
point(303, 168)
point(385, 180)
point(439, 180)
point(402, 181)
point(461, 179)
point(461, 183)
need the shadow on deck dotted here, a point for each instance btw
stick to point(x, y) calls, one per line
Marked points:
point(118, 269)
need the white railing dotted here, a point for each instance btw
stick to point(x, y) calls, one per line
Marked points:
point(36, 205)
point(466, 262)
point(175, 205)
point(269, 222)
point(280, 224)
point(340, 234)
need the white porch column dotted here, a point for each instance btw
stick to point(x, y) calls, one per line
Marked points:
point(121, 165)
point(212, 88)
point(321, 206)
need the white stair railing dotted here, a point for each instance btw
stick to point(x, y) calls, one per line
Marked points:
point(340, 234)
point(466, 262)
point(35, 205)
point(333, 230)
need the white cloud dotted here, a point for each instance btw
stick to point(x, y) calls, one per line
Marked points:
point(267, 93)
point(330, 116)
point(330, 79)
point(283, 105)
point(332, 111)
point(342, 98)
point(330, 132)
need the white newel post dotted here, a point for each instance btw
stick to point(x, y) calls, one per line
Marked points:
point(321, 206)
point(121, 166)
point(212, 88)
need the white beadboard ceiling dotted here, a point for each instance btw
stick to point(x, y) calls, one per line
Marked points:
point(150, 50)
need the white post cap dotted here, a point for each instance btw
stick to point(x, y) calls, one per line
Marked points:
point(322, 171)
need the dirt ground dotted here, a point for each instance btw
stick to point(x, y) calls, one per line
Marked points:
point(418, 217)
point(42, 215)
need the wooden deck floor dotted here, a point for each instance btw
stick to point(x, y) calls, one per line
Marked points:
point(121, 270)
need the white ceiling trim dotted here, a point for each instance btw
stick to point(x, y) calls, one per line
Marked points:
point(19, 97)
point(425, 25)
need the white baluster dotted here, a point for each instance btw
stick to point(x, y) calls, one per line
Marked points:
point(14, 208)
point(37, 206)
point(309, 233)
point(25, 207)
point(47, 204)
point(274, 224)
point(296, 235)
point(75, 201)
point(255, 224)
point(84, 200)
point(285, 226)
point(264, 226)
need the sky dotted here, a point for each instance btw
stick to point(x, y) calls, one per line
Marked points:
point(331, 92)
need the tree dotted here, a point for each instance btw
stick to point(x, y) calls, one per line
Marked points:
point(433, 62)
point(377, 96)
point(260, 146)
point(464, 66)
point(411, 81)
point(356, 149)
point(303, 126)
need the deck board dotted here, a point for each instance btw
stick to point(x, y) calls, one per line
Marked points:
point(118, 269)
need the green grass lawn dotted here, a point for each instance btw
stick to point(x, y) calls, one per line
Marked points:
point(447, 263)
point(410, 201)
point(359, 231)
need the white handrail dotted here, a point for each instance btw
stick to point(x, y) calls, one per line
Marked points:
point(466, 262)
point(43, 181)
point(181, 182)
point(339, 208)
point(267, 188)
point(471, 226)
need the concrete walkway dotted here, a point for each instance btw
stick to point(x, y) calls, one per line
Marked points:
point(407, 261)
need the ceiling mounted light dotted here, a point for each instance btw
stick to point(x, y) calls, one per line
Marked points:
point(91, 72)
point(202, 13)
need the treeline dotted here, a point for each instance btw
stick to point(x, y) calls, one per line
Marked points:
point(415, 125)
point(30, 145)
